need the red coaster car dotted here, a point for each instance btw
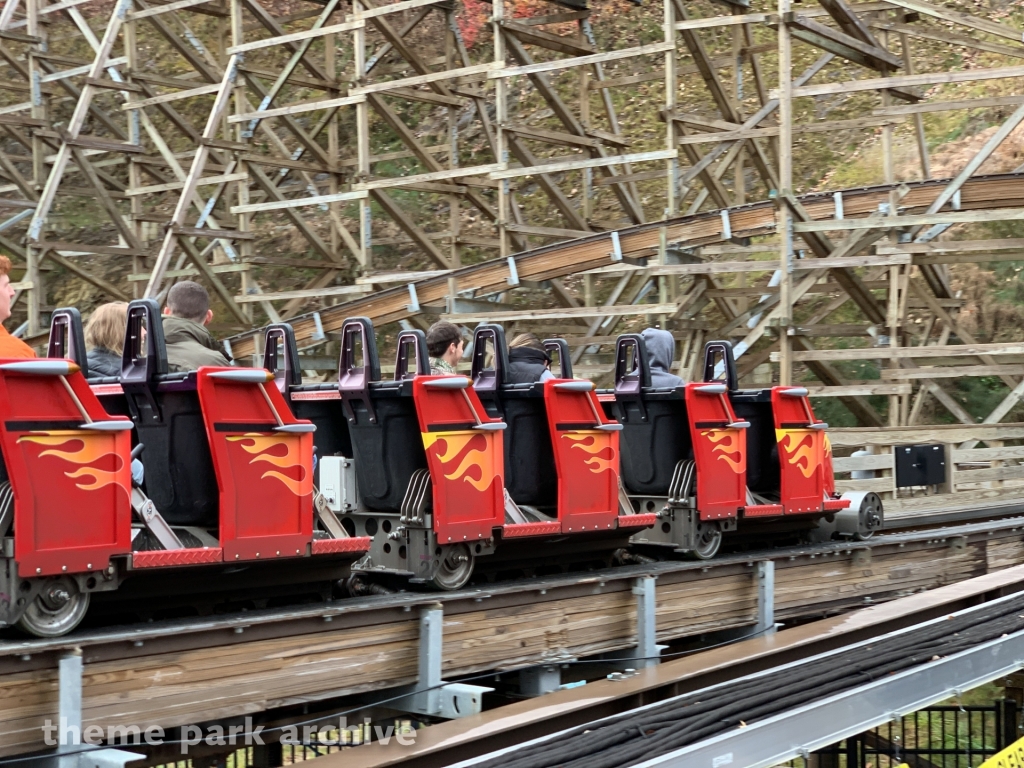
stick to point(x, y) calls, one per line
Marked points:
point(228, 476)
point(706, 455)
point(449, 469)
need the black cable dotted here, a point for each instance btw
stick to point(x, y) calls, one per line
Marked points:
point(686, 720)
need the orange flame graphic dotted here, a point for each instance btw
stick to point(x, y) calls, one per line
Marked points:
point(94, 447)
point(454, 444)
point(592, 443)
point(798, 445)
point(727, 446)
point(261, 445)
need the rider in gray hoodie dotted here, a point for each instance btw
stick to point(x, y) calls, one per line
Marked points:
point(661, 348)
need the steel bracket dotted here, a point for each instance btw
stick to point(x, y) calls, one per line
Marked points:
point(431, 695)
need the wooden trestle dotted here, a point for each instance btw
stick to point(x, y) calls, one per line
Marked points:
point(202, 129)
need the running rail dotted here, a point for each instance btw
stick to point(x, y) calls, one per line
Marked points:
point(753, 704)
point(187, 671)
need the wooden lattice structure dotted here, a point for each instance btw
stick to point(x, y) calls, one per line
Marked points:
point(548, 173)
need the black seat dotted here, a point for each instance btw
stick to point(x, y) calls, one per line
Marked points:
point(753, 405)
point(180, 478)
point(386, 443)
point(281, 357)
point(655, 433)
point(530, 474)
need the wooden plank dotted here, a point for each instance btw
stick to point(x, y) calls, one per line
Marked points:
point(295, 37)
point(166, 98)
point(180, 5)
point(862, 390)
point(911, 220)
point(952, 371)
point(842, 262)
point(450, 173)
point(900, 81)
point(580, 61)
point(909, 353)
point(560, 314)
point(593, 162)
point(936, 433)
point(723, 21)
point(276, 205)
point(431, 77)
point(753, 133)
point(337, 290)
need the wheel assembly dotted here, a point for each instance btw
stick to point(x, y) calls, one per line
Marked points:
point(57, 609)
point(870, 516)
point(454, 567)
point(707, 540)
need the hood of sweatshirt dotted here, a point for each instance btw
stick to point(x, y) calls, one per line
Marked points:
point(661, 348)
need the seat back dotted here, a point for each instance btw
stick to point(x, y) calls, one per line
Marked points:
point(168, 418)
point(69, 464)
point(586, 449)
point(560, 348)
point(281, 357)
point(719, 450)
point(263, 457)
point(489, 375)
point(465, 457)
point(720, 364)
point(382, 421)
point(805, 455)
point(67, 338)
point(655, 436)
point(412, 346)
point(320, 405)
point(530, 475)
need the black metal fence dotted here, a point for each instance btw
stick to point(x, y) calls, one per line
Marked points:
point(936, 737)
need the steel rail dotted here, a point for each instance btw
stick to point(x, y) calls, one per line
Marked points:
point(494, 737)
point(318, 652)
point(560, 259)
point(168, 635)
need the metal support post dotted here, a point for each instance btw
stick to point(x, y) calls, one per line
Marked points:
point(647, 648)
point(70, 751)
point(536, 681)
point(431, 695)
point(69, 708)
point(765, 575)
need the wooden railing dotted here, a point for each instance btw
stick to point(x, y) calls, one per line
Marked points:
point(981, 469)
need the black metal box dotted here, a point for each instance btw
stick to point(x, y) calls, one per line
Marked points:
point(920, 465)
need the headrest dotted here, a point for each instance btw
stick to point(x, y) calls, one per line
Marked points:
point(67, 339)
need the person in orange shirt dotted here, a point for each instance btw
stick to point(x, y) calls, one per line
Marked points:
point(9, 345)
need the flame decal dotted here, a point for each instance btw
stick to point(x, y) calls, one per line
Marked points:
point(94, 447)
point(799, 449)
point(727, 446)
point(475, 453)
point(594, 444)
point(262, 445)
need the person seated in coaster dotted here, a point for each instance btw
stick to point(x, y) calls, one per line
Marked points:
point(10, 346)
point(104, 338)
point(528, 361)
point(186, 317)
point(445, 346)
point(661, 350)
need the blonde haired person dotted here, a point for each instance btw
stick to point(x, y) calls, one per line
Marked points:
point(528, 361)
point(104, 338)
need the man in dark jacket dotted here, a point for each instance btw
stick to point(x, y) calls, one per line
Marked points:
point(661, 349)
point(528, 361)
point(189, 343)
